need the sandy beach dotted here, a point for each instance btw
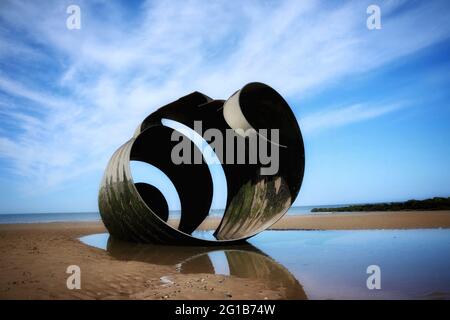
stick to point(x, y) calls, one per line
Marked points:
point(355, 221)
point(34, 258)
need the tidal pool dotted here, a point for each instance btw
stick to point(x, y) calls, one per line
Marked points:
point(414, 264)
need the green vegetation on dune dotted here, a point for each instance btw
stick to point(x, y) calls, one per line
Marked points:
point(428, 204)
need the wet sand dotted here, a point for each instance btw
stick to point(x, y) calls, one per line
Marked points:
point(34, 258)
point(357, 221)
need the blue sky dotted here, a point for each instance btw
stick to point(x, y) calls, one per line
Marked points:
point(373, 105)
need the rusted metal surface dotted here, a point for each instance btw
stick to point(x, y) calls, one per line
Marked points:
point(255, 201)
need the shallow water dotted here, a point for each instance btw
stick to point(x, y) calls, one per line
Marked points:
point(415, 264)
point(48, 217)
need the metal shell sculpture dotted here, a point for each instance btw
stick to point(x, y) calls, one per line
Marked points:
point(138, 211)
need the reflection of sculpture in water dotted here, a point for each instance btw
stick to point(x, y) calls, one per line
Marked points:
point(244, 261)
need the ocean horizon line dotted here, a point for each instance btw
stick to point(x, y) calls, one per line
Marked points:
point(178, 210)
point(37, 217)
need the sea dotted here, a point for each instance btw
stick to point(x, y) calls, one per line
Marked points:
point(95, 216)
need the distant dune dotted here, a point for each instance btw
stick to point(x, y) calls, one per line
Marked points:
point(436, 203)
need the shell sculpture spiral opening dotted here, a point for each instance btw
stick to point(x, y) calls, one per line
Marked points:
point(254, 118)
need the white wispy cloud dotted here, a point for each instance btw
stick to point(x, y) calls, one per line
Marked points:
point(338, 117)
point(74, 96)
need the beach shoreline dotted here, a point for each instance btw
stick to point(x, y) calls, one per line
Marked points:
point(34, 258)
point(354, 221)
